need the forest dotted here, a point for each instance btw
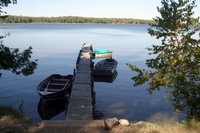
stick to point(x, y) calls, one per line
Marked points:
point(72, 19)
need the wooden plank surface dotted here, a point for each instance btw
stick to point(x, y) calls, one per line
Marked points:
point(84, 63)
point(72, 126)
point(83, 75)
point(77, 114)
point(86, 69)
point(80, 94)
point(79, 80)
point(85, 87)
point(80, 103)
point(82, 78)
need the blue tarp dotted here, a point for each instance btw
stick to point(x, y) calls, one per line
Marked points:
point(101, 51)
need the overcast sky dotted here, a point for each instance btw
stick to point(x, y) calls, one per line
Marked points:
point(144, 9)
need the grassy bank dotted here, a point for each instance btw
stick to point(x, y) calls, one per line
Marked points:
point(12, 121)
point(146, 127)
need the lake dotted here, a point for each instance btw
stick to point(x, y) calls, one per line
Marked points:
point(56, 47)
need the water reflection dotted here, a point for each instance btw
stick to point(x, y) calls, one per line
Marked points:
point(98, 115)
point(181, 79)
point(47, 110)
point(108, 79)
point(187, 99)
point(60, 58)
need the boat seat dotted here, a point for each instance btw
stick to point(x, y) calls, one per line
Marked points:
point(59, 81)
point(59, 84)
point(53, 90)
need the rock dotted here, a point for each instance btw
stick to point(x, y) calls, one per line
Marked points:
point(110, 123)
point(140, 123)
point(124, 122)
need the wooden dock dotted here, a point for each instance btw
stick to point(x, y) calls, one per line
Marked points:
point(80, 105)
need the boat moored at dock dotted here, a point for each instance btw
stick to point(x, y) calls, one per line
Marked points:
point(106, 67)
point(102, 53)
point(55, 86)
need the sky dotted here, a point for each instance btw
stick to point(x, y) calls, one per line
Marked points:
point(142, 9)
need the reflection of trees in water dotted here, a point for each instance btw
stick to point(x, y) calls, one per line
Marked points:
point(98, 115)
point(187, 99)
point(107, 79)
point(177, 60)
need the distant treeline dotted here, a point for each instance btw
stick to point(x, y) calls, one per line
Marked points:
point(72, 19)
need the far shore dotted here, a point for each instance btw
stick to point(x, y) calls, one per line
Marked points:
point(79, 23)
point(71, 20)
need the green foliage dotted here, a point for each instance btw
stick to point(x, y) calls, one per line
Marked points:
point(4, 3)
point(11, 58)
point(177, 61)
point(72, 19)
point(18, 62)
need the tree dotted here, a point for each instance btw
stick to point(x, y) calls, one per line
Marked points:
point(177, 59)
point(11, 58)
point(4, 3)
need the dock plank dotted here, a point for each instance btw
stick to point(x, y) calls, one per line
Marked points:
point(80, 105)
point(85, 87)
point(79, 80)
point(77, 114)
point(86, 69)
point(80, 94)
point(84, 63)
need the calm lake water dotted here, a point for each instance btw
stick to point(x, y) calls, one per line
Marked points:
point(56, 47)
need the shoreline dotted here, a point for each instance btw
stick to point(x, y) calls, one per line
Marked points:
point(73, 20)
point(79, 23)
point(14, 121)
